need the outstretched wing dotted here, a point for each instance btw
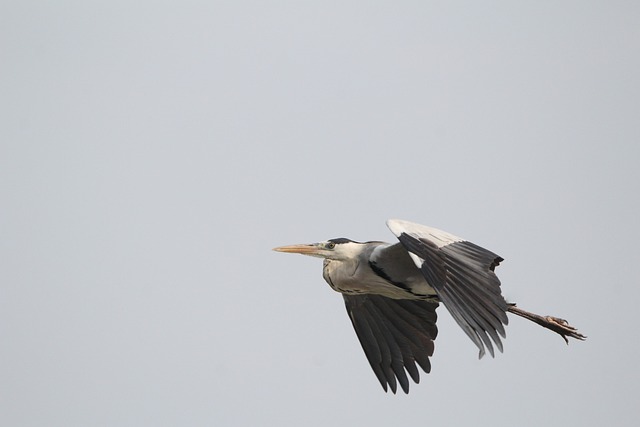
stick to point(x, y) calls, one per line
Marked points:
point(394, 334)
point(462, 274)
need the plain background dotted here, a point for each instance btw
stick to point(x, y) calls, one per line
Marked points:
point(152, 154)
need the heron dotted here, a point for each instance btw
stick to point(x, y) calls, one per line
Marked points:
point(391, 292)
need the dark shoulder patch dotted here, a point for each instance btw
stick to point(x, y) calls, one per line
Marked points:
point(380, 272)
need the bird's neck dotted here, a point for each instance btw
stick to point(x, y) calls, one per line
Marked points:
point(337, 272)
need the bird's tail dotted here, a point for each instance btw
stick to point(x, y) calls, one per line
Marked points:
point(557, 325)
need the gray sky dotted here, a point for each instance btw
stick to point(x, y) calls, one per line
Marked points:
point(152, 154)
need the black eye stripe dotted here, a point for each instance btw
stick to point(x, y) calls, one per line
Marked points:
point(340, 240)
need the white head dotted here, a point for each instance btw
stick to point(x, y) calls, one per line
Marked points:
point(334, 249)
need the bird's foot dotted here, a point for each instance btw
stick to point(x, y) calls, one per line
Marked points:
point(563, 328)
point(555, 324)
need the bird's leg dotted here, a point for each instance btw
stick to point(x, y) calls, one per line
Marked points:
point(557, 325)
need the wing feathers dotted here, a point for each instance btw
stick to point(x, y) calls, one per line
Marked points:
point(418, 326)
point(360, 321)
point(392, 363)
point(462, 275)
point(394, 334)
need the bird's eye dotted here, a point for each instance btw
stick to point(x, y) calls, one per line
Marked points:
point(330, 245)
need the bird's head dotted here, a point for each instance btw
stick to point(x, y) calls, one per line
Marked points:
point(334, 249)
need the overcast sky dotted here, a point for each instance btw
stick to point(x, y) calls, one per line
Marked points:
point(152, 154)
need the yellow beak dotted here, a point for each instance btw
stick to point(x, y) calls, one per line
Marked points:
point(306, 249)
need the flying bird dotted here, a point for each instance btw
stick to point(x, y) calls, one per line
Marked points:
point(391, 292)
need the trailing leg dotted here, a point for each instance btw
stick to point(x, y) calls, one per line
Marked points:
point(557, 325)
